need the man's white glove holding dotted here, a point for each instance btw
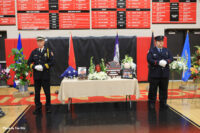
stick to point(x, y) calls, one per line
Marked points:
point(39, 67)
point(162, 63)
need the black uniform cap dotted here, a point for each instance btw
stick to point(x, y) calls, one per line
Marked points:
point(159, 38)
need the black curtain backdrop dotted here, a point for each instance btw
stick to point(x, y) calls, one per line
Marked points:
point(86, 47)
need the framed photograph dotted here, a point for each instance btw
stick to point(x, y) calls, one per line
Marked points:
point(127, 74)
point(113, 69)
point(82, 73)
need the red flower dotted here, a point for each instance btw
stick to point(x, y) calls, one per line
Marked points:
point(98, 68)
point(21, 77)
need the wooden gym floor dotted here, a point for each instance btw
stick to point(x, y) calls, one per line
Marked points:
point(187, 108)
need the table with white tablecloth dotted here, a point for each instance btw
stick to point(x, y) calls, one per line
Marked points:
point(71, 88)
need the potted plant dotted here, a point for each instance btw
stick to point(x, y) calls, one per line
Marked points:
point(128, 64)
point(21, 69)
point(195, 69)
point(99, 73)
point(4, 75)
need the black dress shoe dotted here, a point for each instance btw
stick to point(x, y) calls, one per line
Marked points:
point(48, 110)
point(37, 111)
point(151, 106)
point(164, 106)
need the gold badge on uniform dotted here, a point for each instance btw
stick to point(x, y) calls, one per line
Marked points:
point(45, 54)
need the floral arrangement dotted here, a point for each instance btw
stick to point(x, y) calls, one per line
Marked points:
point(4, 74)
point(195, 69)
point(97, 74)
point(128, 63)
point(179, 65)
point(20, 67)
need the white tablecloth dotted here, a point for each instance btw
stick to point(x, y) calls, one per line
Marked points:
point(85, 88)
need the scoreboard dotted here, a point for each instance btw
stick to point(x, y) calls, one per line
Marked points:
point(101, 14)
point(120, 14)
point(7, 12)
point(53, 14)
point(174, 11)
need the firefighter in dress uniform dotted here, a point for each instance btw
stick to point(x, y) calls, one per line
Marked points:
point(40, 60)
point(159, 59)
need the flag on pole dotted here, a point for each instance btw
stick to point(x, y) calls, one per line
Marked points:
point(151, 47)
point(19, 43)
point(186, 56)
point(152, 41)
point(71, 60)
point(116, 52)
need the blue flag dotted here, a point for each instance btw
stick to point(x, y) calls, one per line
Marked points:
point(186, 56)
point(19, 43)
point(116, 52)
point(14, 85)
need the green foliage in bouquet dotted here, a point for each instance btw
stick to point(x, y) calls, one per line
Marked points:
point(102, 65)
point(178, 65)
point(195, 69)
point(92, 66)
point(196, 57)
point(94, 75)
point(127, 59)
point(20, 67)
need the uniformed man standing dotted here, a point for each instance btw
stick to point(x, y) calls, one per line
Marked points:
point(159, 59)
point(40, 60)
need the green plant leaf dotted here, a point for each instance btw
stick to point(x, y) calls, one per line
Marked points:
point(12, 66)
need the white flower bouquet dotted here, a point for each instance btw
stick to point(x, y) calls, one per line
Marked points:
point(178, 65)
point(98, 76)
point(128, 63)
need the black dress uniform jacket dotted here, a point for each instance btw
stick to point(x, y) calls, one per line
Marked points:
point(153, 58)
point(44, 58)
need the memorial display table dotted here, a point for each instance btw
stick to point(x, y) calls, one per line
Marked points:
point(71, 88)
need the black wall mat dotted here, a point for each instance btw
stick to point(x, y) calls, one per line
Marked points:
point(3, 36)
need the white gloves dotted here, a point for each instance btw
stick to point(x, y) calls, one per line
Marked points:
point(39, 68)
point(162, 63)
